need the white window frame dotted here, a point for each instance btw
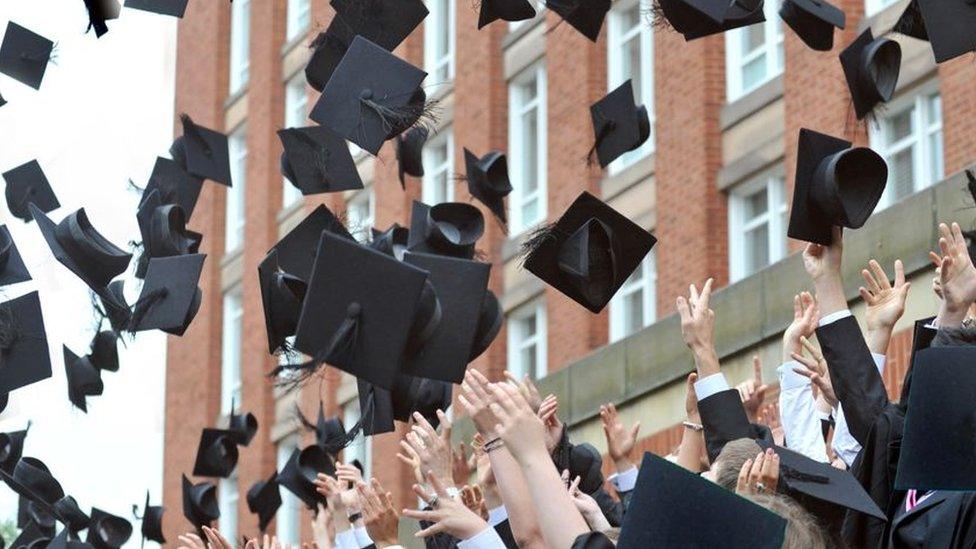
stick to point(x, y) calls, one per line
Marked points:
point(776, 218)
point(647, 285)
point(234, 211)
point(517, 342)
point(617, 37)
point(518, 108)
point(360, 228)
point(288, 518)
point(227, 501)
point(873, 7)
point(773, 47)
point(436, 24)
point(432, 170)
point(240, 37)
point(362, 446)
point(299, 18)
point(539, 6)
point(924, 173)
point(296, 114)
point(231, 349)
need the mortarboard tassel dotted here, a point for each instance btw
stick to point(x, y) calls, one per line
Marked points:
point(142, 307)
point(190, 130)
point(538, 237)
point(340, 348)
point(605, 130)
point(417, 113)
point(794, 474)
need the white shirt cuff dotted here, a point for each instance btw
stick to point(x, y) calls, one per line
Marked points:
point(789, 379)
point(497, 515)
point(834, 317)
point(487, 539)
point(879, 361)
point(708, 386)
point(625, 481)
point(347, 540)
point(362, 538)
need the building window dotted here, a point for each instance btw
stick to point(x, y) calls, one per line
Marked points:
point(227, 503)
point(240, 31)
point(527, 340)
point(298, 19)
point(361, 213)
point(527, 148)
point(754, 54)
point(230, 360)
point(909, 138)
point(872, 7)
point(287, 526)
point(439, 40)
point(296, 103)
point(361, 447)
point(635, 304)
point(234, 214)
point(438, 184)
point(539, 6)
point(630, 53)
point(757, 225)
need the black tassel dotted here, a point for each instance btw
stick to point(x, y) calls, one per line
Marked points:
point(792, 473)
point(538, 237)
point(142, 307)
point(190, 130)
point(340, 349)
point(397, 120)
point(136, 188)
point(971, 184)
point(605, 130)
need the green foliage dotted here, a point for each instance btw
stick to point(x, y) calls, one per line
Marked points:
point(9, 531)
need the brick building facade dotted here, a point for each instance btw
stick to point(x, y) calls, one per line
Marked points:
point(713, 184)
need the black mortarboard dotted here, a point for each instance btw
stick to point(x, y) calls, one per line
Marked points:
point(176, 8)
point(316, 161)
point(11, 448)
point(108, 531)
point(699, 18)
point(392, 242)
point(296, 250)
point(358, 309)
point(114, 305)
point(489, 324)
point(409, 394)
point(441, 345)
point(834, 185)
point(586, 16)
point(163, 229)
point(448, 228)
point(950, 27)
point(938, 451)
point(871, 66)
point(28, 511)
point(32, 479)
point(12, 267)
point(104, 353)
point(152, 521)
point(410, 153)
point(281, 296)
point(30, 537)
point(24, 55)
point(216, 454)
point(242, 427)
point(506, 10)
point(100, 11)
point(77, 245)
point(619, 124)
point(24, 355)
point(384, 22)
point(202, 152)
point(264, 499)
point(371, 96)
point(27, 184)
point(668, 498)
point(488, 180)
point(911, 23)
point(2, 101)
point(84, 379)
point(175, 185)
point(67, 540)
point(813, 21)
point(328, 49)
point(170, 297)
point(589, 253)
point(299, 473)
point(200, 503)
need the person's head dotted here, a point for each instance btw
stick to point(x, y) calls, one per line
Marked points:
point(802, 529)
point(725, 470)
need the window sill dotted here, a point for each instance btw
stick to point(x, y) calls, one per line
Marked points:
point(235, 97)
point(288, 211)
point(514, 36)
point(290, 45)
point(232, 256)
point(762, 157)
point(740, 109)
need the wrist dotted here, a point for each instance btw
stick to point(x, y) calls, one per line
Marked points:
point(706, 361)
point(877, 339)
point(623, 464)
point(950, 316)
point(830, 294)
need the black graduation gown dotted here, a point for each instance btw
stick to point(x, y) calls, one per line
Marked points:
point(724, 419)
point(946, 520)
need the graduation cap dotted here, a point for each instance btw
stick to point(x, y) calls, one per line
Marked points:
point(296, 250)
point(392, 242)
point(489, 324)
point(27, 184)
point(938, 451)
point(410, 153)
point(114, 305)
point(200, 503)
point(170, 297)
point(950, 27)
point(330, 433)
point(24, 55)
point(32, 479)
point(202, 152)
point(871, 66)
point(372, 96)
point(242, 427)
point(28, 512)
point(152, 521)
point(164, 234)
point(380, 407)
point(100, 11)
point(386, 23)
point(586, 16)
point(24, 355)
point(813, 21)
point(448, 228)
point(2, 101)
point(358, 310)
point(699, 18)
point(619, 124)
point(12, 267)
point(67, 540)
point(264, 499)
point(328, 49)
point(216, 454)
point(175, 8)
point(108, 531)
point(104, 353)
point(588, 253)
point(84, 379)
point(506, 10)
point(911, 23)
point(77, 245)
point(667, 499)
point(834, 185)
point(281, 297)
point(30, 537)
point(316, 161)
point(11, 448)
point(441, 347)
point(488, 180)
point(174, 185)
point(299, 473)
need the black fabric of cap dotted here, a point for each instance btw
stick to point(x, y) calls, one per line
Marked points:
point(24, 55)
point(26, 185)
point(175, 8)
point(12, 267)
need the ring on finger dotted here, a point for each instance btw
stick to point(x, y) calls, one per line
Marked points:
point(760, 487)
point(433, 501)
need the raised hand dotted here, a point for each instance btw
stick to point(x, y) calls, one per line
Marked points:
point(266, 543)
point(190, 540)
point(620, 441)
point(806, 315)
point(461, 464)
point(521, 430)
point(323, 528)
point(823, 264)
point(957, 276)
point(548, 412)
point(216, 540)
point(691, 399)
point(527, 388)
point(814, 367)
point(753, 391)
point(349, 478)
point(587, 506)
point(474, 499)
point(770, 418)
point(885, 303)
point(759, 475)
point(446, 514)
point(476, 400)
point(698, 327)
point(937, 279)
point(379, 516)
point(433, 448)
point(410, 458)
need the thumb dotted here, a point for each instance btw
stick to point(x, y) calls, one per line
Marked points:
point(757, 369)
point(635, 430)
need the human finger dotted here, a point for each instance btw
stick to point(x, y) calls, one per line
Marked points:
point(742, 482)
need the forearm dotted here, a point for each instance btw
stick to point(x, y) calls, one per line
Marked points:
point(515, 497)
point(830, 293)
point(877, 338)
point(949, 316)
point(801, 424)
point(706, 360)
point(690, 449)
point(561, 522)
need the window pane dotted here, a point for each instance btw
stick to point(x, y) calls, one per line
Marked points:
point(227, 503)
point(528, 91)
point(530, 152)
point(286, 520)
point(901, 168)
point(230, 370)
point(754, 72)
point(631, 65)
point(755, 205)
point(757, 248)
point(633, 311)
point(899, 126)
point(753, 38)
point(528, 361)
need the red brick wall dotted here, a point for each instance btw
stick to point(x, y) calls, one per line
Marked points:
point(958, 111)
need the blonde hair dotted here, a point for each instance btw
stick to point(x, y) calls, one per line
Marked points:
point(802, 529)
point(728, 463)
